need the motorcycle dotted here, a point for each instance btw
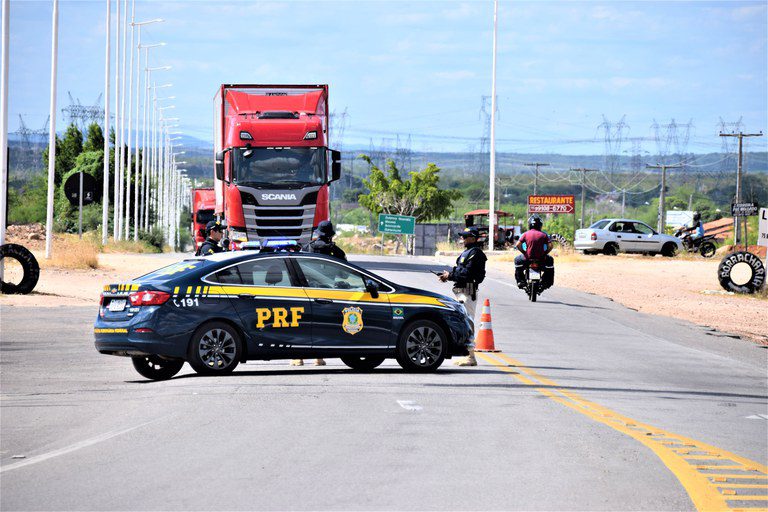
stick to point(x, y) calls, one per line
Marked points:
point(704, 245)
point(533, 279)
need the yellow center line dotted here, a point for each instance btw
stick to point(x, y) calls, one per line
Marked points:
point(703, 492)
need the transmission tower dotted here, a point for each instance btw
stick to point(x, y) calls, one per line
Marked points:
point(728, 146)
point(83, 115)
point(403, 154)
point(485, 116)
point(672, 139)
point(31, 153)
point(614, 135)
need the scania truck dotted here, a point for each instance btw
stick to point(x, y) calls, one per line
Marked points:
point(272, 161)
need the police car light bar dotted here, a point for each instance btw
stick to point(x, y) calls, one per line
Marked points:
point(280, 243)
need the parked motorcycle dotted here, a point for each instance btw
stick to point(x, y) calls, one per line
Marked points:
point(704, 245)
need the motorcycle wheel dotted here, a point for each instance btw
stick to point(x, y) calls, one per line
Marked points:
point(533, 290)
point(707, 249)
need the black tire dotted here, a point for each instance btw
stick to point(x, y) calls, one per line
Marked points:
point(611, 249)
point(533, 290)
point(756, 281)
point(215, 349)
point(157, 368)
point(669, 250)
point(707, 249)
point(422, 346)
point(362, 363)
point(28, 264)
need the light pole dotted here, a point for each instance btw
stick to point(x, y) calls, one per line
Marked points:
point(4, 126)
point(119, 200)
point(152, 175)
point(136, 183)
point(105, 193)
point(492, 184)
point(52, 134)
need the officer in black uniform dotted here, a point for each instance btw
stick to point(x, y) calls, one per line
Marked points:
point(468, 273)
point(322, 242)
point(214, 231)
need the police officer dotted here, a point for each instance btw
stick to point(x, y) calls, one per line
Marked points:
point(322, 242)
point(468, 273)
point(214, 232)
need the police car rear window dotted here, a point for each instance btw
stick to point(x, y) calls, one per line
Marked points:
point(263, 272)
point(174, 270)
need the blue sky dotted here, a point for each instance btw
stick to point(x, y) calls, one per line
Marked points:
point(421, 67)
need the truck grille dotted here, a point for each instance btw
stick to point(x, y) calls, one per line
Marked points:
point(279, 221)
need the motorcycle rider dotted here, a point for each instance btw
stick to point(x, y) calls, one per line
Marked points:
point(322, 243)
point(468, 273)
point(694, 231)
point(534, 244)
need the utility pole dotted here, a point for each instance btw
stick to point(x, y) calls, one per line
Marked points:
point(623, 200)
point(52, 133)
point(4, 125)
point(583, 172)
point(536, 177)
point(662, 192)
point(492, 199)
point(740, 135)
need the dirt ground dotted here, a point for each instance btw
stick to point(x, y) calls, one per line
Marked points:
point(681, 288)
point(685, 288)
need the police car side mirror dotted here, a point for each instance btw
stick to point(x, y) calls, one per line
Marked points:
point(372, 288)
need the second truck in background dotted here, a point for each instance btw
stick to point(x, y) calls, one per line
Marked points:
point(272, 161)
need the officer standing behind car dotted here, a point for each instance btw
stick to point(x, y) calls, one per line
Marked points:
point(214, 232)
point(322, 243)
point(468, 273)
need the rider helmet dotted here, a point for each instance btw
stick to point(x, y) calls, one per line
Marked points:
point(696, 216)
point(534, 222)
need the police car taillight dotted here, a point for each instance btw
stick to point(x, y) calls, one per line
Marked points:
point(148, 298)
point(101, 299)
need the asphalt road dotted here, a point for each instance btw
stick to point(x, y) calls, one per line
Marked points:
point(590, 406)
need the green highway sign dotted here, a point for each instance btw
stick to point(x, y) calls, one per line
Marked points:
point(397, 224)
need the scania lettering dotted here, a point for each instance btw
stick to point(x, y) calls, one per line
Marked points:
point(272, 162)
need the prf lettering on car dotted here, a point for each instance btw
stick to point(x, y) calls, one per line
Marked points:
point(279, 317)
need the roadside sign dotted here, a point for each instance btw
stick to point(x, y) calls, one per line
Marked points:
point(744, 209)
point(72, 189)
point(551, 204)
point(397, 224)
point(679, 217)
point(762, 235)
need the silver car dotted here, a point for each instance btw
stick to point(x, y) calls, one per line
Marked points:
point(611, 236)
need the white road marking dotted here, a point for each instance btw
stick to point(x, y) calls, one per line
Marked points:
point(69, 449)
point(409, 405)
point(758, 417)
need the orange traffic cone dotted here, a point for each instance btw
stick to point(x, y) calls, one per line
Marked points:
point(484, 339)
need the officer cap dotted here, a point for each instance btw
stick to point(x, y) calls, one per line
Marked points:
point(325, 228)
point(470, 231)
point(214, 225)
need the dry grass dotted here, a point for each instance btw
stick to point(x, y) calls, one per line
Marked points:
point(70, 252)
point(128, 246)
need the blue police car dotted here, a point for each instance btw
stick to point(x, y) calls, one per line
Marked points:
point(218, 311)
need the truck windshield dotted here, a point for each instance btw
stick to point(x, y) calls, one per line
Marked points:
point(280, 167)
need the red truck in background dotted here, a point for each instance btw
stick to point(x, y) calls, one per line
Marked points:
point(203, 207)
point(272, 161)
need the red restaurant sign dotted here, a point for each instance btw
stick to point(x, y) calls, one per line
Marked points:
point(551, 204)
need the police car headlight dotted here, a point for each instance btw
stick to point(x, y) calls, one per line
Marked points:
point(456, 305)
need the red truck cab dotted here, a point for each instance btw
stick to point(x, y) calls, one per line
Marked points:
point(272, 161)
point(203, 208)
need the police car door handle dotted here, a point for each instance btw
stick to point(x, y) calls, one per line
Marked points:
point(324, 301)
point(245, 296)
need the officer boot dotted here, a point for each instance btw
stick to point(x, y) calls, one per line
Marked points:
point(319, 362)
point(467, 361)
point(297, 362)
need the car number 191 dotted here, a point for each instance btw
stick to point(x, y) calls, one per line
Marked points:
point(186, 303)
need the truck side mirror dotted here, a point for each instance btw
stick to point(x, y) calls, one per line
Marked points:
point(219, 165)
point(335, 165)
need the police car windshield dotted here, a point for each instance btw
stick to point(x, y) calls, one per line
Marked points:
point(280, 167)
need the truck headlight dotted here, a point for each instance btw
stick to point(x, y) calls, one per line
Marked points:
point(238, 236)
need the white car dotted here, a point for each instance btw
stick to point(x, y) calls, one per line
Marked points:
point(611, 236)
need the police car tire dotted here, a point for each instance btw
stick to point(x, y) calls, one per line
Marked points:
point(402, 356)
point(194, 349)
point(362, 363)
point(157, 368)
point(28, 264)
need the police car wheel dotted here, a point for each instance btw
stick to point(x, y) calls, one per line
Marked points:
point(362, 363)
point(157, 368)
point(215, 349)
point(421, 347)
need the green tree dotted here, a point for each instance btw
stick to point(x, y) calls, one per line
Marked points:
point(95, 138)
point(419, 195)
point(67, 150)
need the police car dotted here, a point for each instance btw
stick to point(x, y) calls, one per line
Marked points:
point(231, 307)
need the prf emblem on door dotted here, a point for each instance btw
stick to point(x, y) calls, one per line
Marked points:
point(353, 320)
